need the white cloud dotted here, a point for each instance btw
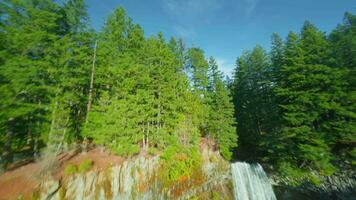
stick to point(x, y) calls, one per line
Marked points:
point(187, 15)
point(225, 66)
point(250, 6)
point(184, 32)
point(183, 8)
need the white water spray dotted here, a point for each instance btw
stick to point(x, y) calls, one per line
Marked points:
point(251, 182)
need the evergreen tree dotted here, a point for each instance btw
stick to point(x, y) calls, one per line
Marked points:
point(221, 122)
point(343, 45)
point(112, 120)
point(277, 57)
point(141, 82)
point(29, 30)
point(71, 57)
point(61, 82)
point(253, 100)
point(197, 68)
point(307, 86)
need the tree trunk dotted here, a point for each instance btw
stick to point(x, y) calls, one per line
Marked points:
point(148, 133)
point(90, 95)
point(63, 137)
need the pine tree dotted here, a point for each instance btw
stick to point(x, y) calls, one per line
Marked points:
point(253, 99)
point(221, 122)
point(277, 56)
point(307, 86)
point(169, 87)
point(114, 115)
point(197, 68)
point(71, 56)
point(343, 45)
point(29, 32)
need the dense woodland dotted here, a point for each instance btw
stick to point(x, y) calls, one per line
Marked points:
point(296, 105)
point(62, 83)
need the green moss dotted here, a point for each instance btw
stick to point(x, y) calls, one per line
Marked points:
point(107, 188)
point(36, 195)
point(126, 150)
point(85, 166)
point(70, 169)
point(107, 183)
point(132, 172)
point(314, 180)
point(230, 185)
point(215, 196)
point(152, 151)
point(20, 197)
point(96, 191)
point(212, 158)
point(62, 193)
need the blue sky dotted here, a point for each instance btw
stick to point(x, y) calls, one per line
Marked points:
point(224, 28)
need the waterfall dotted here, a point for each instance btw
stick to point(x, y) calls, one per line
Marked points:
point(251, 182)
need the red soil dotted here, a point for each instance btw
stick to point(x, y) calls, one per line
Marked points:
point(24, 180)
point(19, 181)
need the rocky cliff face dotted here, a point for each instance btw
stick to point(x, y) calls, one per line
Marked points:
point(140, 178)
point(338, 186)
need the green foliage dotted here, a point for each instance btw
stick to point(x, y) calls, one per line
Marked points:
point(308, 87)
point(141, 96)
point(221, 122)
point(179, 163)
point(152, 151)
point(296, 176)
point(85, 165)
point(29, 32)
point(43, 74)
point(294, 107)
point(255, 104)
point(127, 150)
point(70, 169)
point(344, 43)
point(314, 180)
point(142, 93)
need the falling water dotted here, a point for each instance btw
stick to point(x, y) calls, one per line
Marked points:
point(251, 182)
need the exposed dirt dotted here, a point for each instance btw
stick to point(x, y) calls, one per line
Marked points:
point(101, 160)
point(24, 180)
point(21, 181)
point(207, 143)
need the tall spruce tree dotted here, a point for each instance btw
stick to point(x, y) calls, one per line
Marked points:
point(71, 57)
point(197, 68)
point(307, 87)
point(253, 99)
point(29, 30)
point(344, 59)
point(221, 122)
point(112, 120)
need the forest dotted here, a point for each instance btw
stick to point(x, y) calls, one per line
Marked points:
point(62, 83)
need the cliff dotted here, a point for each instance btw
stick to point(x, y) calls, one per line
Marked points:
point(135, 178)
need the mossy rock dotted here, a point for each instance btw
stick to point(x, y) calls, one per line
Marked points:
point(85, 166)
point(70, 169)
